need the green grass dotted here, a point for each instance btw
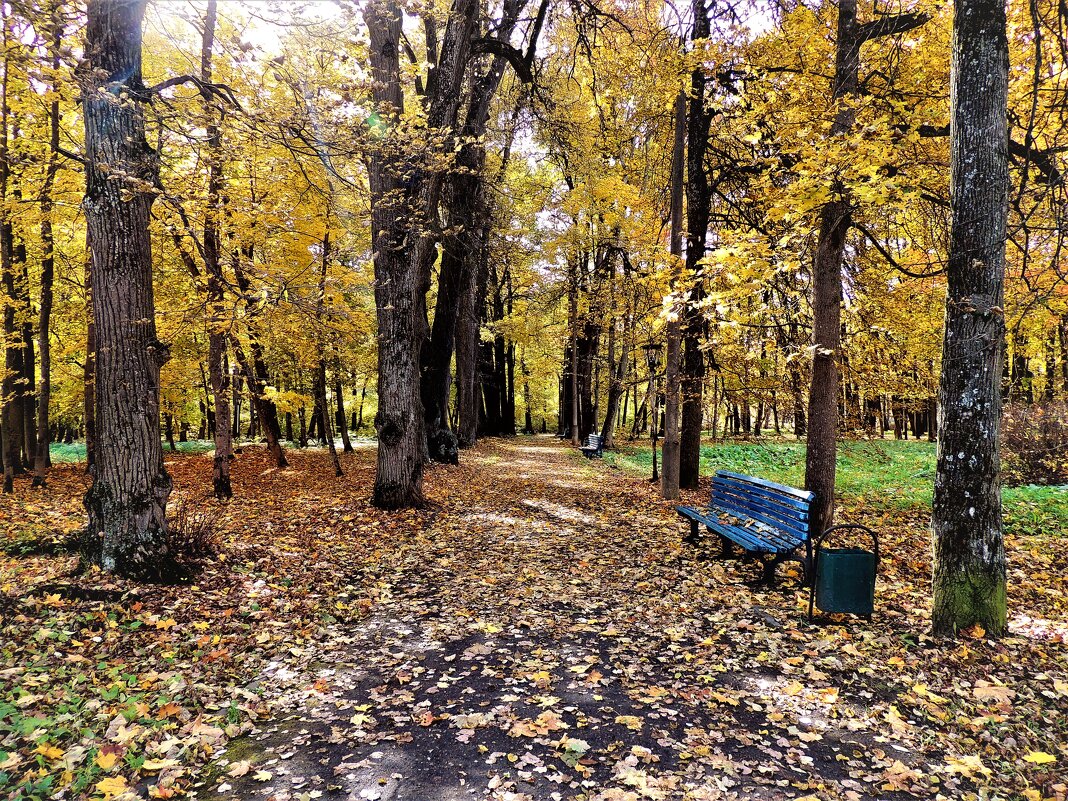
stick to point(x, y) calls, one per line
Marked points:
point(75, 451)
point(880, 476)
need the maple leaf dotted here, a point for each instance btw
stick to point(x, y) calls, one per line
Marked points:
point(986, 691)
point(238, 769)
point(111, 786)
point(1039, 758)
point(49, 751)
point(106, 760)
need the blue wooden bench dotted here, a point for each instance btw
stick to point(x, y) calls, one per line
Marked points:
point(594, 446)
point(769, 521)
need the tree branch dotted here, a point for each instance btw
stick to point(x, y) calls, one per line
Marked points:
point(206, 88)
point(890, 258)
point(890, 26)
point(510, 54)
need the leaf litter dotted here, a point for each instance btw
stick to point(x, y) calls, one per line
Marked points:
point(538, 632)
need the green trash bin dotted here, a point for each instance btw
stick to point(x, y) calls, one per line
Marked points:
point(844, 578)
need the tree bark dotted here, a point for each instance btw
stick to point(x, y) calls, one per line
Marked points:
point(127, 501)
point(573, 377)
point(89, 369)
point(836, 219)
point(48, 255)
point(698, 204)
point(324, 417)
point(212, 246)
point(342, 421)
point(669, 472)
point(10, 406)
point(403, 252)
point(969, 550)
point(258, 376)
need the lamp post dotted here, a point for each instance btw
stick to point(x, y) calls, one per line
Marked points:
point(652, 359)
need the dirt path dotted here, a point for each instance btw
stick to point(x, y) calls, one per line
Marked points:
point(547, 637)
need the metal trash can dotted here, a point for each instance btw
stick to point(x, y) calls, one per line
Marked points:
point(844, 578)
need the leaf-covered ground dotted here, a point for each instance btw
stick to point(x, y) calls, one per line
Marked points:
point(539, 632)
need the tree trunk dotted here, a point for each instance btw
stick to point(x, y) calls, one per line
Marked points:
point(324, 419)
point(969, 548)
point(258, 376)
point(836, 219)
point(212, 246)
point(127, 501)
point(342, 422)
point(403, 254)
point(89, 369)
point(168, 431)
point(1062, 338)
point(467, 372)
point(10, 407)
point(572, 299)
point(48, 255)
point(698, 204)
point(669, 473)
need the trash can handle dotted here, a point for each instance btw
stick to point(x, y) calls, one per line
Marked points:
point(843, 526)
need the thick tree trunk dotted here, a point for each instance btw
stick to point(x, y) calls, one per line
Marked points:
point(698, 205)
point(573, 377)
point(399, 421)
point(467, 386)
point(969, 549)
point(127, 501)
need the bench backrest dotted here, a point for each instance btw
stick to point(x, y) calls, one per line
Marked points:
point(776, 505)
point(593, 441)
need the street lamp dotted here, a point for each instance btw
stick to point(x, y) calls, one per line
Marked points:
point(652, 359)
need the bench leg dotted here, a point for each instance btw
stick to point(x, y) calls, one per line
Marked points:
point(726, 548)
point(768, 577)
point(692, 538)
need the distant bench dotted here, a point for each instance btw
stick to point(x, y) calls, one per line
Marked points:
point(594, 446)
point(769, 521)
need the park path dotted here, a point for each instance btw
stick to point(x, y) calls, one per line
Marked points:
point(546, 637)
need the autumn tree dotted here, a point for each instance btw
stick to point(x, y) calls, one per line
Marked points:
point(969, 568)
point(127, 529)
point(835, 221)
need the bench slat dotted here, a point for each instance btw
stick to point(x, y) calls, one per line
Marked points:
point(743, 537)
point(753, 539)
point(798, 532)
point(768, 493)
point(803, 495)
point(764, 540)
point(786, 514)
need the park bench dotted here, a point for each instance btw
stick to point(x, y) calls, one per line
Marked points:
point(769, 521)
point(594, 446)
